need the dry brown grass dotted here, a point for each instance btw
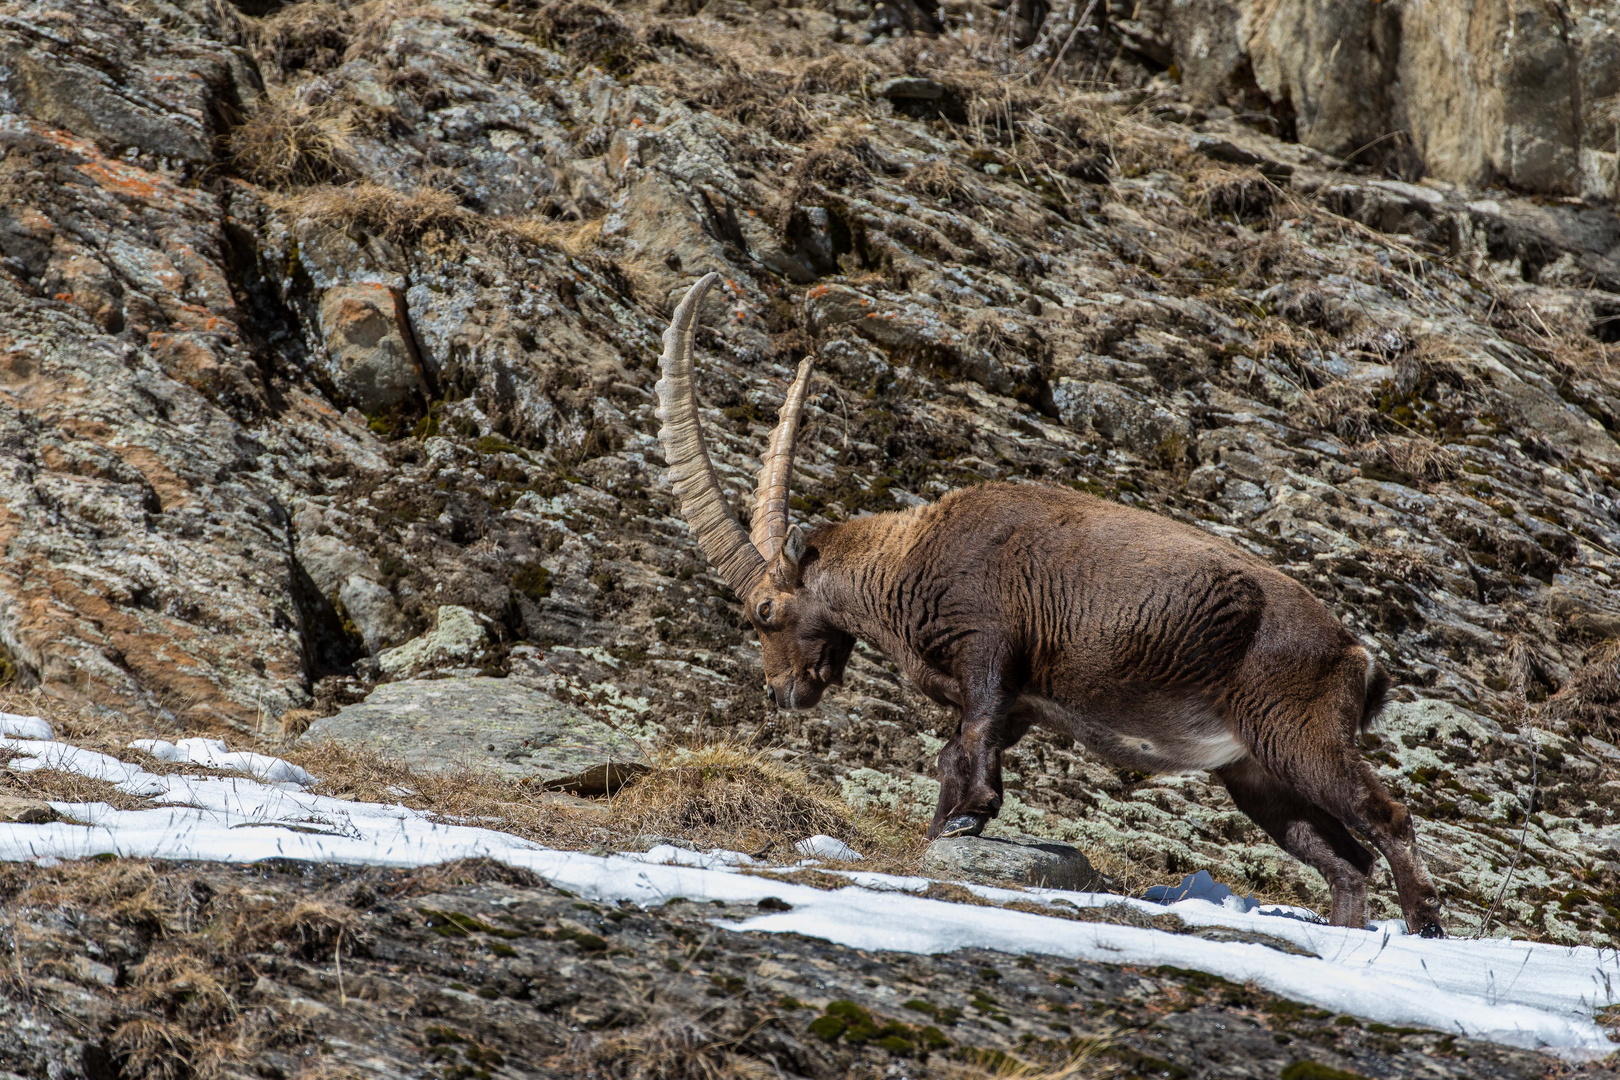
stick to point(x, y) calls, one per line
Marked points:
point(936, 179)
point(290, 144)
point(430, 219)
point(723, 796)
point(1591, 697)
point(54, 785)
point(1085, 1064)
point(673, 1048)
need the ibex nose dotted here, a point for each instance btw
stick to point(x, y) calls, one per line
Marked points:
point(770, 694)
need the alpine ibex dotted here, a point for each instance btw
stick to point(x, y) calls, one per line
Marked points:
point(1157, 646)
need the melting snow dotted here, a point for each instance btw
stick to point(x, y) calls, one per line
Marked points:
point(1511, 992)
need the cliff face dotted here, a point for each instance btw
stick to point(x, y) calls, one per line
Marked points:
point(326, 325)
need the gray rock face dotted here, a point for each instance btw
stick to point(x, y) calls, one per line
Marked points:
point(487, 723)
point(1009, 860)
point(1515, 91)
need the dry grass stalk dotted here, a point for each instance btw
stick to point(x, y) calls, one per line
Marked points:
point(1418, 457)
point(937, 180)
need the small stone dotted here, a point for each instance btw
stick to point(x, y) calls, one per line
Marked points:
point(1010, 860)
point(909, 88)
point(15, 810)
point(436, 724)
point(89, 971)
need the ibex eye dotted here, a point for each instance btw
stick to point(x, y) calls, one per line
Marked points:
point(765, 611)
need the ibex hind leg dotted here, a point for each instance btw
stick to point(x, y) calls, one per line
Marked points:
point(1307, 832)
point(1319, 759)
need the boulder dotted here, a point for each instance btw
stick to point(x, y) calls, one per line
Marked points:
point(16, 810)
point(489, 724)
point(455, 641)
point(373, 358)
point(1009, 860)
point(1488, 92)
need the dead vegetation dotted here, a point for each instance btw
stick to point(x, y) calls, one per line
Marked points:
point(1591, 698)
point(717, 796)
point(290, 144)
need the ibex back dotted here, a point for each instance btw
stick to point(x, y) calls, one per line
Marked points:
point(1157, 646)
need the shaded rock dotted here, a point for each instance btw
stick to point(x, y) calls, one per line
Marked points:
point(373, 360)
point(910, 88)
point(374, 613)
point(489, 724)
point(455, 641)
point(598, 780)
point(1010, 860)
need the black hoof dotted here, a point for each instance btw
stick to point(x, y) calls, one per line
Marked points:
point(963, 825)
point(1431, 930)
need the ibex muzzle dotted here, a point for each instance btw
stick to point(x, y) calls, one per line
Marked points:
point(1159, 647)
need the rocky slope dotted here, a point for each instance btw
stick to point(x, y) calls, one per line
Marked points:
point(477, 970)
point(331, 328)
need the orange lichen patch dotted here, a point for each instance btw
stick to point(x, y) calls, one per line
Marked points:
point(17, 367)
point(171, 490)
point(59, 617)
point(197, 319)
point(187, 359)
point(32, 220)
point(136, 183)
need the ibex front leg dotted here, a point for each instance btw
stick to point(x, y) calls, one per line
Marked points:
point(970, 790)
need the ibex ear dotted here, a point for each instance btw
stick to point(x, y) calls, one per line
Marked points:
point(793, 546)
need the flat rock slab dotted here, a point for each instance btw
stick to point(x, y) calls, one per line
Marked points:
point(495, 724)
point(1009, 860)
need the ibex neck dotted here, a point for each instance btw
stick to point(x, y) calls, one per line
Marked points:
point(854, 571)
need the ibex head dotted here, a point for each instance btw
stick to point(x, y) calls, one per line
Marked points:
point(803, 651)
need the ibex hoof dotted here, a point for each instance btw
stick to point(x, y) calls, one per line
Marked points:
point(963, 825)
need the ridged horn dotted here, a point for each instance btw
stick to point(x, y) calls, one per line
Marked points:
point(691, 473)
point(770, 523)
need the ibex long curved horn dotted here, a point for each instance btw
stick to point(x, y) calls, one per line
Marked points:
point(691, 474)
point(770, 523)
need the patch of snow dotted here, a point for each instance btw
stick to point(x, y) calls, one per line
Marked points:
point(25, 727)
point(1202, 887)
point(1517, 993)
point(827, 847)
point(213, 754)
point(670, 855)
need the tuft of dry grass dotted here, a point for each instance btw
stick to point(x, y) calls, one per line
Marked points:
point(423, 216)
point(290, 144)
point(1084, 1064)
point(429, 218)
point(937, 180)
point(729, 796)
point(724, 795)
point(674, 1048)
point(573, 238)
point(1243, 196)
point(1591, 696)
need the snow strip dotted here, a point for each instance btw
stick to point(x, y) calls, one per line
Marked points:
point(1517, 993)
point(213, 754)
